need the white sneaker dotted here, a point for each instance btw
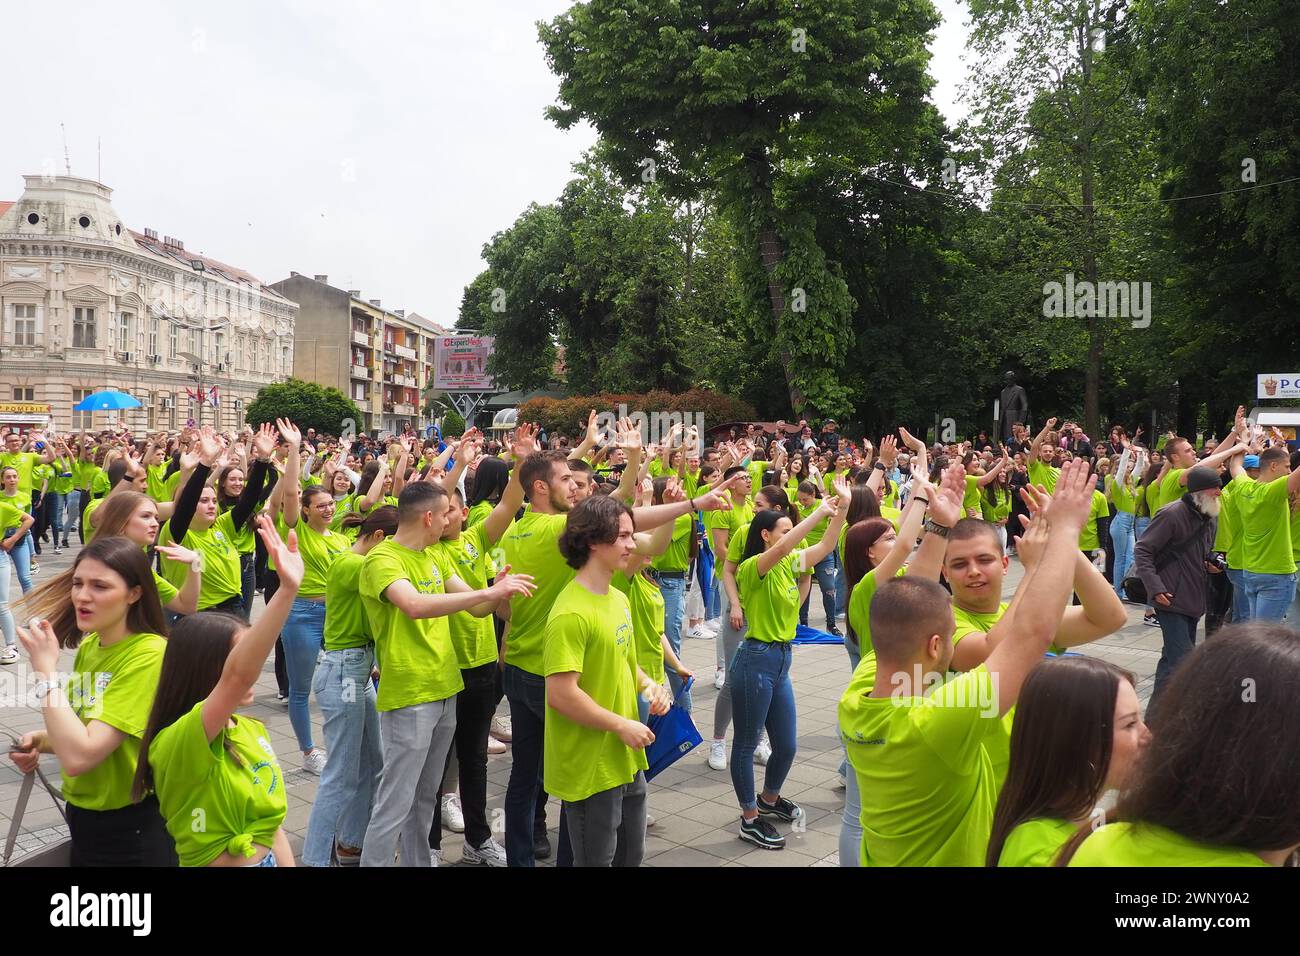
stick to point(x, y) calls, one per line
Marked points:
point(763, 751)
point(501, 728)
point(718, 754)
point(452, 818)
point(496, 747)
point(491, 853)
point(314, 761)
point(9, 655)
point(720, 678)
point(435, 857)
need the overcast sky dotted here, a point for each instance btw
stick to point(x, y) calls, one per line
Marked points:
point(380, 143)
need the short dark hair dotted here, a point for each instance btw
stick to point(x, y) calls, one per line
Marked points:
point(577, 464)
point(905, 612)
point(733, 470)
point(967, 528)
point(539, 466)
point(417, 498)
point(1271, 455)
point(594, 521)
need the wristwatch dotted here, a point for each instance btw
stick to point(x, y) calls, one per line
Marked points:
point(44, 687)
point(933, 527)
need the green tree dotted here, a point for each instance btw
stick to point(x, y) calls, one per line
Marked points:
point(744, 99)
point(307, 405)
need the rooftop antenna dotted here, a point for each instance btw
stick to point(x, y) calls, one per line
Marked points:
point(99, 159)
point(67, 161)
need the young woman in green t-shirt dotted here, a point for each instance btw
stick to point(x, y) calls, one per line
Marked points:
point(1217, 785)
point(759, 675)
point(200, 759)
point(1078, 733)
point(94, 724)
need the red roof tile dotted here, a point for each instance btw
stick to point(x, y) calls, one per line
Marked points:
point(4, 206)
point(186, 257)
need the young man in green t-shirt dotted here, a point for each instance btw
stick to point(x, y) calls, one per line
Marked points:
point(409, 590)
point(594, 742)
point(1264, 515)
point(926, 781)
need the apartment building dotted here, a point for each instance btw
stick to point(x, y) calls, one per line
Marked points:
point(380, 358)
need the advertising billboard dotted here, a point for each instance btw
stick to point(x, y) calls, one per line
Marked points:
point(460, 363)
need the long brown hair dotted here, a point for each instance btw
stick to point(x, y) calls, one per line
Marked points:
point(53, 600)
point(1223, 765)
point(1060, 744)
point(191, 668)
point(858, 540)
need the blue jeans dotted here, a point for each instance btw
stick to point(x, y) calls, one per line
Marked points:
point(851, 822)
point(826, 575)
point(303, 637)
point(761, 696)
point(6, 616)
point(21, 557)
point(346, 794)
point(674, 592)
point(527, 695)
point(1240, 606)
point(1268, 595)
point(1123, 543)
point(248, 581)
point(841, 594)
point(54, 503)
point(1179, 633)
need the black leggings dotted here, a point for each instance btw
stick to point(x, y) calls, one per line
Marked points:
point(134, 835)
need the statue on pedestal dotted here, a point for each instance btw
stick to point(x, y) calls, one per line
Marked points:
point(1014, 406)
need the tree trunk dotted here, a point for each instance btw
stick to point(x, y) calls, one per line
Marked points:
point(771, 250)
point(1092, 381)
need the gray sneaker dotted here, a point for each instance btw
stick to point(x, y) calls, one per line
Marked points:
point(491, 853)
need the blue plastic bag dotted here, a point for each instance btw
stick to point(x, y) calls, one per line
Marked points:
point(675, 737)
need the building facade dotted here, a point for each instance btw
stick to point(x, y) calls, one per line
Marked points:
point(89, 304)
point(382, 359)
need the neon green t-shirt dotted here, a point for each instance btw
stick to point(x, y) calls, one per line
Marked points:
point(417, 663)
point(678, 555)
point(1265, 512)
point(155, 483)
point(478, 513)
point(319, 550)
point(11, 516)
point(86, 524)
point(818, 532)
point(1121, 494)
point(222, 578)
point(42, 475)
point(24, 462)
point(245, 538)
point(971, 499)
point(64, 476)
point(1170, 489)
point(757, 469)
point(1088, 540)
point(166, 590)
point(238, 803)
point(1151, 493)
point(1043, 474)
point(1145, 844)
point(647, 603)
point(591, 634)
point(1230, 518)
point(926, 782)
point(531, 546)
point(1000, 510)
point(346, 625)
point(771, 601)
point(114, 685)
point(1035, 842)
point(474, 638)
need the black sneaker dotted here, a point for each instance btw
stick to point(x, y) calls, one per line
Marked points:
point(783, 809)
point(541, 846)
point(761, 833)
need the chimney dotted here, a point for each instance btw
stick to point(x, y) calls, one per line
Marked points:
point(375, 303)
point(292, 273)
point(400, 313)
point(324, 279)
point(355, 293)
point(179, 244)
point(150, 233)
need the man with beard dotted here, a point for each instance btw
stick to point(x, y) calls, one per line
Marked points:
point(1171, 561)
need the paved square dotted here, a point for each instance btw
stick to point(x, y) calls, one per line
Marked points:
point(695, 809)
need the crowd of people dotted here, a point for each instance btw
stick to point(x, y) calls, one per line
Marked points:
point(412, 585)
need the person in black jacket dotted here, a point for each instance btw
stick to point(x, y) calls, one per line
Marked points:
point(1171, 561)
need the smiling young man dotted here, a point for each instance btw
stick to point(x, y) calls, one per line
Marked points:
point(595, 743)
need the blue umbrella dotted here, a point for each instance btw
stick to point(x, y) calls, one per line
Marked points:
point(105, 402)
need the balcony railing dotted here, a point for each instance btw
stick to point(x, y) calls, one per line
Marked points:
point(404, 380)
point(362, 404)
point(404, 352)
point(361, 371)
point(361, 338)
point(403, 409)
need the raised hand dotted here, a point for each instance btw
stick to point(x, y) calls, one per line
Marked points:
point(1032, 541)
point(911, 441)
point(843, 492)
point(945, 500)
point(673, 492)
point(593, 433)
point(210, 446)
point(264, 441)
point(174, 552)
point(524, 440)
point(1068, 507)
point(41, 644)
point(289, 432)
point(629, 435)
point(888, 451)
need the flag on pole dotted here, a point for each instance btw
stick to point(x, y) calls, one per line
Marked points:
point(213, 398)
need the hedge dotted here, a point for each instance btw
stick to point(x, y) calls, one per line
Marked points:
point(569, 415)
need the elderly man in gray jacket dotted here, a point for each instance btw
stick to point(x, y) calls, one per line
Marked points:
point(1171, 561)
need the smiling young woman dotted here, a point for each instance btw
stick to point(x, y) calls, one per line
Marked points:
point(95, 725)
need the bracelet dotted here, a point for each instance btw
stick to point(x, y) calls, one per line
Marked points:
point(933, 527)
point(692, 504)
point(920, 498)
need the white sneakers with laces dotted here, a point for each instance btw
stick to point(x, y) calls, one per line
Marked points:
point(718, 754)
point(452, 817)
point(314, 761)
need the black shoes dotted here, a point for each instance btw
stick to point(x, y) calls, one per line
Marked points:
point(541, 845)
point(761, 833)
point(783, 809)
